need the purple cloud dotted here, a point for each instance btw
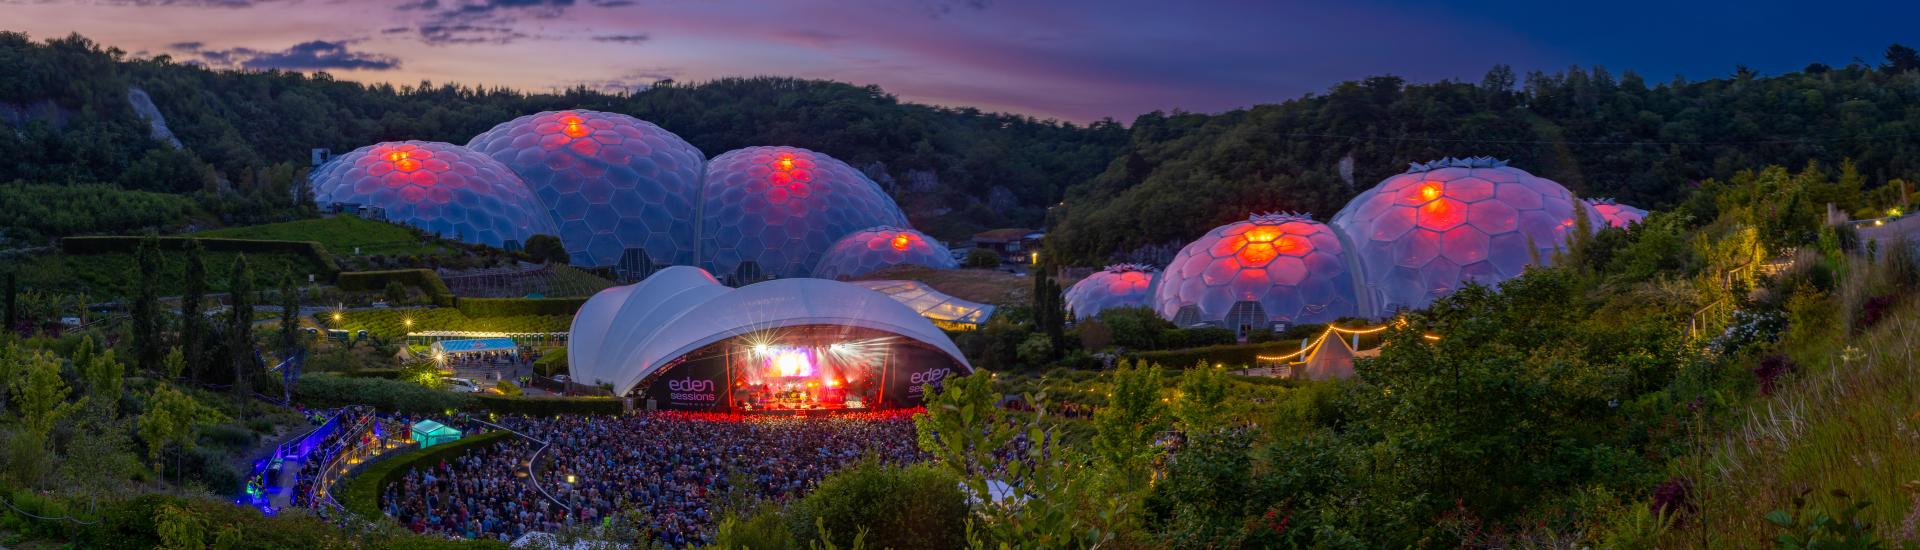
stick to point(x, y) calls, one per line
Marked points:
point(312, 55)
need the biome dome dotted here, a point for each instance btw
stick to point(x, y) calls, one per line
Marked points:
point(1421, 233)
point(1616, 214)
point(441, 188)
point(781, 208)
point(1250, 274)
point(1119, 285)
point(873, 248)
point(612, 183)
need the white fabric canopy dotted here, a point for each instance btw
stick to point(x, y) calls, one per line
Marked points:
point(624, 334)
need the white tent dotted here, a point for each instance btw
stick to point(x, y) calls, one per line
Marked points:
point(624, 334)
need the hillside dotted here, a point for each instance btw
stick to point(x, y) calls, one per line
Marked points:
point(1644, 143)
point(954, 170)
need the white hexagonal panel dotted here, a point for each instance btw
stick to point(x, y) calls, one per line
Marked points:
point(442, 188)
point(1421, 233)
point(873, 248)
point(611, 182)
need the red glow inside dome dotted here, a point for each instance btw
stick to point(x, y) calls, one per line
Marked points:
point(901, 242)
point(785, 164)
point(575, 128)
point(1430, 190)
point(1257, 254)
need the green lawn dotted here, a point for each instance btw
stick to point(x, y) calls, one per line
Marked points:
point(340, 234)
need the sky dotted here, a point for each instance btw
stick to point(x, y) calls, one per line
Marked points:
point(1075, 60)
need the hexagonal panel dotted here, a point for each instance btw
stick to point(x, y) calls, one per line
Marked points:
point(1295, 268)
point(873, 248)
point(1616, 214)
point(1489, 212)
point(438, 187)
point(806, 199)
point(578, 157)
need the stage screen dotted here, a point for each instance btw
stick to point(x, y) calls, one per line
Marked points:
point(802, 369)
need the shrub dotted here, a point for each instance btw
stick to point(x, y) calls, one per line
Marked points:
point(903, 508)
point(553, 363)
point(383, 394)
point(507, 388)
point(376, 281)
point(519, 307)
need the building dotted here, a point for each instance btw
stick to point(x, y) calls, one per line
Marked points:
point(1014, 245)
point(680, 340)
point(441, 188)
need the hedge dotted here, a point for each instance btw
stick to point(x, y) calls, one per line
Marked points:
point(374, 281)
point(128, 244)
point(361, 493)
point(548, 406)
point(1232, 355)
point(517, 307)
point(554, 362)
point(383, 394)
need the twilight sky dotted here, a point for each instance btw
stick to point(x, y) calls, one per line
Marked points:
point(1077, 60)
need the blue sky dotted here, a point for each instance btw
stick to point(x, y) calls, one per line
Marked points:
point(1077, 60)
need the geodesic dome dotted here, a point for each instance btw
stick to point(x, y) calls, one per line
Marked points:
point(1616, 214)
point(611, 182)
point(870, 249)
point(1421, 233)
point(782, 208)
point(1270, 268)
point(438, 187)
point(1119, 285)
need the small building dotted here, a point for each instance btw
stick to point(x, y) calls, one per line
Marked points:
point(1013, 244)
point(429, 433)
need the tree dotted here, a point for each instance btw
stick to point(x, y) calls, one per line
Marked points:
point(104, 375)
point(1901, 59)
point(1202, 400)
point(12, 305)
point(396, 293)
point(40, 395)
point(1135, 416)
point(240, 350)
point(192, 317)
point(546, 248)
point(1049, 311)
point(175, 364)
point(289, 315)
point(146, 306)
point(171, 420)
point(981, 258)
point(899, 507)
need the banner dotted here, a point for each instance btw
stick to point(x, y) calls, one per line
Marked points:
point(913, 368)
point(693, 385)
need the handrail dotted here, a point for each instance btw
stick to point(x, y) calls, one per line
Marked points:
point(532, 477)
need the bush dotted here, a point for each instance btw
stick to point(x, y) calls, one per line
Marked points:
point(507, 388)
point(918, 506)
point(553, 363)
point(981, 258)
point(519, 307)
point(376, 281)
point(549, 406)
point(108, 245)
point(383, 394)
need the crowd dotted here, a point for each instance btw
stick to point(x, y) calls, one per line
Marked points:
point(669, 467)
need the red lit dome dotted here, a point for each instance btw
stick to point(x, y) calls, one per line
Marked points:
point(438, 187)
point(874, 248)
point(1119, 285)
point(1270, 268)
point(1420, 234)
point(783, 208)
point(1616, 214)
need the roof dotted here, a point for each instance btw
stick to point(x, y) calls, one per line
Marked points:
point(1004, 235)
point(931, 303)
point(625, 334)
point(478, 345)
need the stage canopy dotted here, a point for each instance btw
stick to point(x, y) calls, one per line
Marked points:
point(429, 433)
point(946, 311)
point(474, 346)
point(625, 334)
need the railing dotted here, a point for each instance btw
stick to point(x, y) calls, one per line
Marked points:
point(532, 475)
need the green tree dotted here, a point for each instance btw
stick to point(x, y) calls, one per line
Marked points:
point(900, 507)
point(240, 348)
point(396, 293)
point(289, 315)
point(192, 317)
point(145, 312)
point(1135, 416)
point(175, 363)
point(12, 314)
point(1202, 401)
point(171, 419)
point(103, 374)
point(981, 258)
point(546, 248)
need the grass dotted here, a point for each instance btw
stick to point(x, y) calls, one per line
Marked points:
point(103, 276)
point(340, 234)
point(985, 286)
point(391, 323)
point(1849, 421)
